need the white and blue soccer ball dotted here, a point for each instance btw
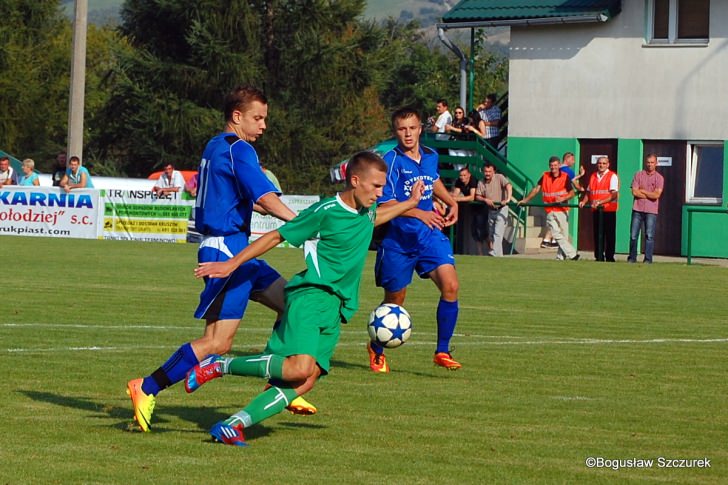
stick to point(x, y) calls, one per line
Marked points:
point(389, 325)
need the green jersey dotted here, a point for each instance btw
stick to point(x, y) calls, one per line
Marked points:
point(335, 239)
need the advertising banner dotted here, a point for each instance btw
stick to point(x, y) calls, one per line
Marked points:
point(137, 215)
point(49, 212)
point(260, 224)
point(140, 215)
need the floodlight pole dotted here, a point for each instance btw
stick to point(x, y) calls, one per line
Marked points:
point(78, 80)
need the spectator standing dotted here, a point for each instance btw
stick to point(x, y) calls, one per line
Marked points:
point(495, 191)
point(490, 116)
point(557, 189)
point(169, 182)
point(444, 117)
point(464, 188)
point(461, 128)
point(7, 174)
point(29, 177)
point(60, 169)
point(458, 124)
point(647, 188)
point(567, 165)
point(76, 177)
point(464, 191)
point(603, 191)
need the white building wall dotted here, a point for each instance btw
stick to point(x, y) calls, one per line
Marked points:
point(602, 81)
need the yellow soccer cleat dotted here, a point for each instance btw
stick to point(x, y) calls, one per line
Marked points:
point(143, 404)
point(302, 407)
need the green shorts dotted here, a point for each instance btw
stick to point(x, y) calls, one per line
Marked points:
point(310, 325)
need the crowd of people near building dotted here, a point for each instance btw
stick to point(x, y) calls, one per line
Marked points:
point(560, 191)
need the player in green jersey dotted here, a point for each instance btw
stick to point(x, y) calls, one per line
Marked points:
point(335, 234)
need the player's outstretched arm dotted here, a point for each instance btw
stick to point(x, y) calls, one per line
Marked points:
point(273, 205)
point(222, 269)
point(388, 212)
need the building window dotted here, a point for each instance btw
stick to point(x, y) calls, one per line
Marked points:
point(705, 173)
point(678, 21)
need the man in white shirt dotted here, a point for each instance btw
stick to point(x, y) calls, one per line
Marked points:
point(170, 181)
point(444, 117)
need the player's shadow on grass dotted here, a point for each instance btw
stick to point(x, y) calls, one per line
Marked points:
point(203, 417)
point(365, 367)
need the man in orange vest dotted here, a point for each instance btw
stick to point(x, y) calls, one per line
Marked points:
point(557, 189)
point(603, 191)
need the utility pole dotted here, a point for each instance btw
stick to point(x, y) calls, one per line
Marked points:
point(78, 80)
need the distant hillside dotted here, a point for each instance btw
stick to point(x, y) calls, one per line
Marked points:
point(428, 12)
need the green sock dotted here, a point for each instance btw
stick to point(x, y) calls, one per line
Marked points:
point(266, 404)
point(269, 366)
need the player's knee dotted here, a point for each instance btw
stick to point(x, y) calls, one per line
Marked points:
point(450, 289)
point(300, 370)
point(220, 346)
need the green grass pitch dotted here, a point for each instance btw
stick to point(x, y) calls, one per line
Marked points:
point(562, 361)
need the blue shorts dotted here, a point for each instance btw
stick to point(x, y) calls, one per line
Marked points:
point(393, 268)
point(227, 298)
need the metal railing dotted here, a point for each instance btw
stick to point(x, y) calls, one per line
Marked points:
point(600, 225)
point(705, 210)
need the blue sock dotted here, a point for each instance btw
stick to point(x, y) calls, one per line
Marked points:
point(378, 349)
point(447, 318)
point(172, 371)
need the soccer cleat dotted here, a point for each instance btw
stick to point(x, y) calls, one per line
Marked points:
point(444, 359)
point(227, 434)
point(206, 370)
point(302, 407)
point(143, 404)
point(377, 362)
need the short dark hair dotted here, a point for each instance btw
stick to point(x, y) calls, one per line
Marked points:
point(651, 155)
point(74, 157)
point(443, 102)
point(361, 161)
point(488, 165)
point(404, 113)
point(492, 97)
point(240, 98)
point(4, 157)
point(464, 168)
point(567, 154)
point(554, 159)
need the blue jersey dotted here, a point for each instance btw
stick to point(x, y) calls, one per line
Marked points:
point(408, 233)
point(568, 171)
point(230, 182)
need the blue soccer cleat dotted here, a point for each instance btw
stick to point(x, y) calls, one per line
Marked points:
point(205, 371)
point(227, 434)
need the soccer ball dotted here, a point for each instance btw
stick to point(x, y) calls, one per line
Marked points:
point(389, 325)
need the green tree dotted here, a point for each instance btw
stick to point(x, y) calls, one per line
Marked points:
point(31, 83)
point(311, 57)
point(35, 61)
